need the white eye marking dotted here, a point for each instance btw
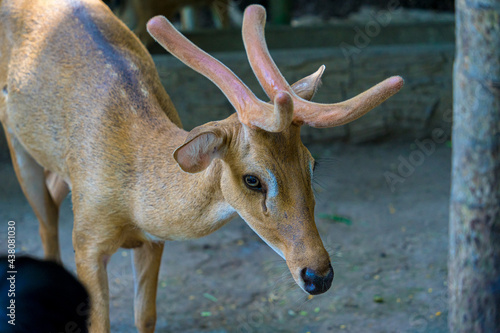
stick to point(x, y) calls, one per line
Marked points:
point(272, 187)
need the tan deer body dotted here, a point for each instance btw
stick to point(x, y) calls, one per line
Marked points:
point(83, 108)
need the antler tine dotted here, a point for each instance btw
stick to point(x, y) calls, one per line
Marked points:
point(273, 82)
point(251, 111)
point(179, 46)
point(263, 66)
point(331, 115)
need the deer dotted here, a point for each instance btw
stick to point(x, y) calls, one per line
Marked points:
point(138, 12)
point(84, 112)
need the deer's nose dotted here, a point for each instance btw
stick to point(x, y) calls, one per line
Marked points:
point(314, 283)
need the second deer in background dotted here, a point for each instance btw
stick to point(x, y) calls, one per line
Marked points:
point(136, 13)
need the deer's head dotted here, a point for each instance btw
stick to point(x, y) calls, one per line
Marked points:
point(267, 172)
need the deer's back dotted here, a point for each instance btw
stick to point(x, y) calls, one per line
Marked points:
point(76, 78)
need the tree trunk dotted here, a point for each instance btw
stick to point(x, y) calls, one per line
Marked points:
point(474, 262)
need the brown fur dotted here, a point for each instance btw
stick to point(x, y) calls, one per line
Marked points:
point(84, 109)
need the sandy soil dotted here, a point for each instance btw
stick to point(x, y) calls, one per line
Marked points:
point(389, 255)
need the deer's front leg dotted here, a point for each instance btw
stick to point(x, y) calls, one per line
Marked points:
point(94, 243)
point(91, 270)
point(146, 261)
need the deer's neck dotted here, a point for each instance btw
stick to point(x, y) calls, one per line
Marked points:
point(169, 203)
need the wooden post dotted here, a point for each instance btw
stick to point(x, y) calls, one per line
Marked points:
point(474, 262)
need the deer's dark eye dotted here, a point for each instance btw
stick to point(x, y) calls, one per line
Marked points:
point(252, 182)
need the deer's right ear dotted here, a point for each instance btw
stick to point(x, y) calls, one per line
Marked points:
point(201, 147)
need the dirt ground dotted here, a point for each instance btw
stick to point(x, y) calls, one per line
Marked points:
point(389, 251)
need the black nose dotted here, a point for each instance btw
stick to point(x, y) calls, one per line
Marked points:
point(316, 284)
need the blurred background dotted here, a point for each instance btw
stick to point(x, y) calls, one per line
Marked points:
point(360, 42)
point(382, 185)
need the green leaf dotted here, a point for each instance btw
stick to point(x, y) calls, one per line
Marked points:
point(210, 297)
point(335, 218)
point(206, 314)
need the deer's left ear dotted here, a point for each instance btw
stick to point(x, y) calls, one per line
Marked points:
point(203, 144)
point(306, 88)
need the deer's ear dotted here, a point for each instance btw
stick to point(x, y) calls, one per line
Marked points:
point(203, 144)
point(306, 88)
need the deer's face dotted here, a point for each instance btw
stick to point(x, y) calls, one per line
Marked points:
point(267, 178)
point(266, 173)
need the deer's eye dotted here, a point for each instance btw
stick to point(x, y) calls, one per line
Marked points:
point(252, 182)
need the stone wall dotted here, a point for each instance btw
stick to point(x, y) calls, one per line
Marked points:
point(419, 107)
